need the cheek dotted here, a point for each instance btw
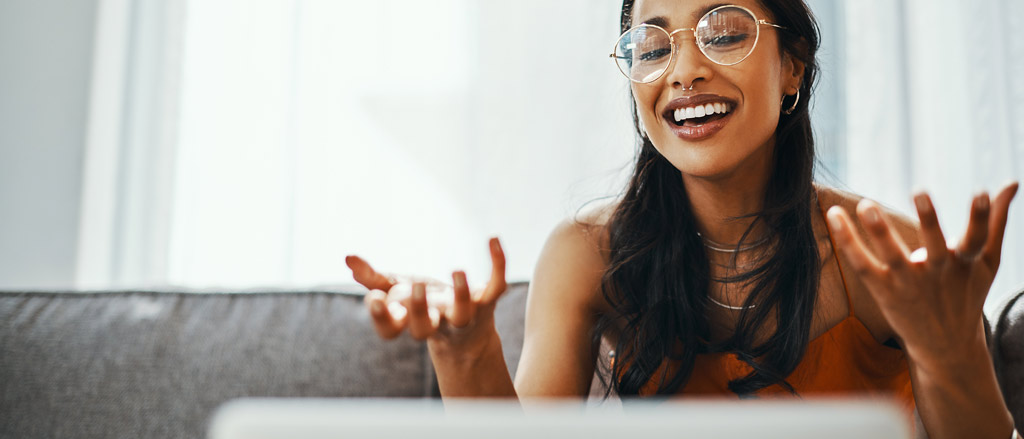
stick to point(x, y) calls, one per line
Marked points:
point(767, 88)
point(646, 98)
point(765, 106)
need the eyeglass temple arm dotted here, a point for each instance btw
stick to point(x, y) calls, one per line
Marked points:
point(763, 21)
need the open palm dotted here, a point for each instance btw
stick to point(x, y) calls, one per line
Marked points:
point(430, 309)
point(933, 298)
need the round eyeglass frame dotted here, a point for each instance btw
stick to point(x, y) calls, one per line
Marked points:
point(672, 41)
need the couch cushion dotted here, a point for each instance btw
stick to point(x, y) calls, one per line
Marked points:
point(156, 364)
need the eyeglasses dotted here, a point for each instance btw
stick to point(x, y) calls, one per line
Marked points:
point(726, 35)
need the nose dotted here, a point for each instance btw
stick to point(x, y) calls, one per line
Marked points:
point(689, 64)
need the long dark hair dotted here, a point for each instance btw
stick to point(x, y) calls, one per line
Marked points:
point(658, 276)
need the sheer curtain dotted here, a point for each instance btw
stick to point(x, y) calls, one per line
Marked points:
point(935, 100)
point(409, 131)
point(404, 131)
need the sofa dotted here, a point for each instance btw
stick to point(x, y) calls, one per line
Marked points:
point(156, 364)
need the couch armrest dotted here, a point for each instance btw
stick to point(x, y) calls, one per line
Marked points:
point(1008, 355)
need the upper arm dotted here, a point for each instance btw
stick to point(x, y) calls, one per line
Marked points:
point(561, 311)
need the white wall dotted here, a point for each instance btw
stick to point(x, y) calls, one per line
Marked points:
point(45, 64)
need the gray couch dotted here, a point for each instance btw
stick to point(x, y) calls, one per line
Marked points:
point(156, 364)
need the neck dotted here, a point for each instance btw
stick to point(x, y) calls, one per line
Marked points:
point(716, 201)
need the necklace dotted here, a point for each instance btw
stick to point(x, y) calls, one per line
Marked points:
point(722, 248)
point(734, 308)
point(712, 245)
point(725, 290)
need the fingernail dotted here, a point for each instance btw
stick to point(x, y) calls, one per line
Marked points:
point(459, 280)
point(835, 223)
point(921, 200)
point(377, 308)
point(873, 215)
point(418, 292)
point(981, 202)
point(495, 244)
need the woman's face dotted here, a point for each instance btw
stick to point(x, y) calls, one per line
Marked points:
point(743, 139)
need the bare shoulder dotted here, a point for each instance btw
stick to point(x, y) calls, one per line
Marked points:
point(575, 256)
point(906, 228)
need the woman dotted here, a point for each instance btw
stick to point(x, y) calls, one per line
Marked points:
point(723, 269)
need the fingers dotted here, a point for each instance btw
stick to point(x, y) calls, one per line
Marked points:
point(889, 249)
point(384, 321)
point(415, 313)
point(497, 284)
point(363, 273)
point(461, 311)
point(997, 223)
point(973, 242)
point(423, 320)
point(850, 243)
point(931, 233)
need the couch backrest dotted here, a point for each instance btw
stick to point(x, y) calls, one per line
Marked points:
point(156, 364)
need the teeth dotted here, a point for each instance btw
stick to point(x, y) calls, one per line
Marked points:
point(696, 111)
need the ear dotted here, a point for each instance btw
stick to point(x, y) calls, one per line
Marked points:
point(792, 73)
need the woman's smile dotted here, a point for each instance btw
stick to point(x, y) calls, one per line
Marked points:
point(694, 118)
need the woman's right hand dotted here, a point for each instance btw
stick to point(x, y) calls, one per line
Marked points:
point(466, 318)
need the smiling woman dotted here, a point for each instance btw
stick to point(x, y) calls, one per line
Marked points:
point(745, 178)
point(723, 268)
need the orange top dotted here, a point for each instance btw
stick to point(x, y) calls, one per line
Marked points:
point(845, 360)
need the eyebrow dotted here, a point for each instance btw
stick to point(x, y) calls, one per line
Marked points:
point(661, 21)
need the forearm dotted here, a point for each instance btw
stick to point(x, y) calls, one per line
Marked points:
point(957, 393)
point(477, 371)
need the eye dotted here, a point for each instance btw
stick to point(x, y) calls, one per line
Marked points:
point(655, 54)
point(725, 41)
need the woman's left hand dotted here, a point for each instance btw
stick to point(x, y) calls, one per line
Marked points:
point(932, 298)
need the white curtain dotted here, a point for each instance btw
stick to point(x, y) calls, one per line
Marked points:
point(409, 131)
point(404, 131)
point(935, 101)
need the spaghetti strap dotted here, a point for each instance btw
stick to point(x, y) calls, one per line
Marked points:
point(846, 290)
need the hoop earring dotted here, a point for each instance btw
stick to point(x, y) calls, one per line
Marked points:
point(791, 109)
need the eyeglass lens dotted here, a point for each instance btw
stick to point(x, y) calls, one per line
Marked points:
point(725, 35)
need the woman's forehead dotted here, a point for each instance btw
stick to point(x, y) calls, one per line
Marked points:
point(683, 13)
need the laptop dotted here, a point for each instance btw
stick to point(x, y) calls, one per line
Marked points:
point(474, 419)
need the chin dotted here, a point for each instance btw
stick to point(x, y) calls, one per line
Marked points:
point(701, 164)
point(699, 159)
point(714, 158)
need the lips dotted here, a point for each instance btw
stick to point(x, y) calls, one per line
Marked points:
point(698, 117)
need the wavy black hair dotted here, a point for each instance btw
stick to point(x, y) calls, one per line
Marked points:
point(658, 277)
